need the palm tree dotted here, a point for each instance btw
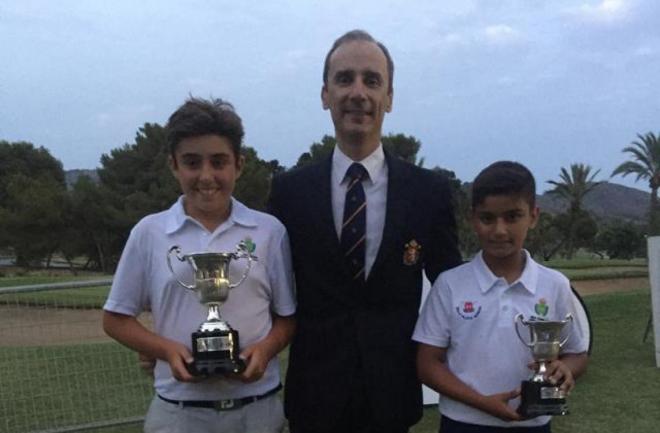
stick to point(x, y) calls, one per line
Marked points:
point(645, 164)
point(573, 187)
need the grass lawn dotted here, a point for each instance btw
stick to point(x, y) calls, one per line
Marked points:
point(621, 391)
point(57, 386)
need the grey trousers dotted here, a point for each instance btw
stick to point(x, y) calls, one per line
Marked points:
point(262, 416)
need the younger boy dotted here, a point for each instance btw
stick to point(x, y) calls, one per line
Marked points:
point(469, 351)
point(204, 140)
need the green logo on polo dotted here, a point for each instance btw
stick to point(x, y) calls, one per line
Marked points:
point(541, 308)
point(250, 245)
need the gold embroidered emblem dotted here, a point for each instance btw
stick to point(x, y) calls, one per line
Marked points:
point(411, 252)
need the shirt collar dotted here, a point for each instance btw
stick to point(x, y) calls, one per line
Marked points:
point(177, 217)
point(487, 280)
point(374, 164)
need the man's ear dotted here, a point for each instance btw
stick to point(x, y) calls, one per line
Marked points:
point(390, 100)
point(324, 97)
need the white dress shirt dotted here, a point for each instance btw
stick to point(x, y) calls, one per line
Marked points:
point(375, 192)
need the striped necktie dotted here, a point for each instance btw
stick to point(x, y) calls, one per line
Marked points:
point(353, 229)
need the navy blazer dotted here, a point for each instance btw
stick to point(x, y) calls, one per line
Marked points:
point(350, 331)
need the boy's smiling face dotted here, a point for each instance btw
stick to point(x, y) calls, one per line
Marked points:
point(207, 169)
point(501, 223)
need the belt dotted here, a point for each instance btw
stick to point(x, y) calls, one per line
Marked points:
point(228, 404)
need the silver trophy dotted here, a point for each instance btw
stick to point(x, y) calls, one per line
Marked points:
point(215, 344)
point(539, 396)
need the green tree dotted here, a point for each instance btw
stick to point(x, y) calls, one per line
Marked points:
point(253, 186)
point(23, 158)
point(405, 147)
point(135, 180)
point(402, 146)
point(34, 210)
point(138, 174)
point(317, 151)
point(96, 226)
point(546, 239)
point(621, 240)
point(572, 187)
point(645, 164)
point(32, 201)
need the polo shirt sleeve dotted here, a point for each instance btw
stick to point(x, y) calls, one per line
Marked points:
point(129, 293)
point(280, 274)
point(433, 325)
point(578, 328)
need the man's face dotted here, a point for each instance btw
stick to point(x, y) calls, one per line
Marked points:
point(206, 169)
point(501, 223)
point(357, 92)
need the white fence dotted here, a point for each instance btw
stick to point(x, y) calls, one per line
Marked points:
point(58, 370)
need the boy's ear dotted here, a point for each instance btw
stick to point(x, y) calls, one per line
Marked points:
point(240, 163)
point(535, 214)
point(171, 162)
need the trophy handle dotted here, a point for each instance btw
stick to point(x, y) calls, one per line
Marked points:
point(177, 250)
point(519, 318)
point(242, 252)
point(569, 318)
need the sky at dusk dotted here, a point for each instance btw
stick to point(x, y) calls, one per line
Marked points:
point(546, 83)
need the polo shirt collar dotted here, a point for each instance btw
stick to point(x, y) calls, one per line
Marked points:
point(374, 164)
point(177, 217)
point(487, 280)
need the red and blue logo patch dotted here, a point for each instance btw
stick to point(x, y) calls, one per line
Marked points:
point(468, 310)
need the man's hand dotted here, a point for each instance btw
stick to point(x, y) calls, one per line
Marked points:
point(498, 405)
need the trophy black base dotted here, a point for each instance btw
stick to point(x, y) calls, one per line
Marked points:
point(539, 398)
point(215, 353)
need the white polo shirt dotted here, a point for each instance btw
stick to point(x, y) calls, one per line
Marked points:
point(143, 279)
point(471, 312)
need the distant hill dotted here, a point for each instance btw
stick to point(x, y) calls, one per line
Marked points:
point(71, 176)
point(607, 201)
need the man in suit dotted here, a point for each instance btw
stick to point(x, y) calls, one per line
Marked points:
point(360, 243)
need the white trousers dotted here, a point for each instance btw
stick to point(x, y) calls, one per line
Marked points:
point(262, 416)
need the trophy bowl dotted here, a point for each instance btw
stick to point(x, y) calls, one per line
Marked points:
point(215, 344)
point(539, 396)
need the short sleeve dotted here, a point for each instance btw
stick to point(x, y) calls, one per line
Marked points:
point(280, 274)
point(578, 329)
point(434, 323)
point(129, 293)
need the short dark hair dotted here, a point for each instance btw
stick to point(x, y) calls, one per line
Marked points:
point(359, 35)
point(199, 116)
point(504, 178)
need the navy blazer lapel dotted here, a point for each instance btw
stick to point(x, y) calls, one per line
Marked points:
point(396, 206)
